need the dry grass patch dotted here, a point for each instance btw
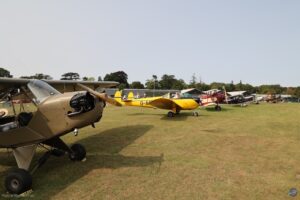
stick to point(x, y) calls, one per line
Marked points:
point(134, 153)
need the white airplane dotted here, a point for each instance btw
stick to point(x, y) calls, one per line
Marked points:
point(238, 97)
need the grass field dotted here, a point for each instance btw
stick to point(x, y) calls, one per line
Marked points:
point(135, 153)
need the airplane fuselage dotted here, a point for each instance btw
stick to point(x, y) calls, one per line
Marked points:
point(54, 117)
point(184, 104)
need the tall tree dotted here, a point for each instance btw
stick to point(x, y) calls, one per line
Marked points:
point(38, 76)
point(230, 87)
point(154, 77)
point(85, 78)
point(202, 86)
point(88, 78)
point(179, 84)
point(297, 92)
point(193, 81)
point(291, 91)
point(119, 76)
point(154, 82)
point(217, 85)
point(150, 84)
point(137, 85)
point(167, 81)
point(70, 76)
point(5, 73)
point(270, 89)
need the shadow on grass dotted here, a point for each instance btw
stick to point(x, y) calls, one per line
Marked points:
point(212, 109)
point(182, 116)
point(102, 152)
point(145, 114)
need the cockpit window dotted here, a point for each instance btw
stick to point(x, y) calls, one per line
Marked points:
point(41, 90)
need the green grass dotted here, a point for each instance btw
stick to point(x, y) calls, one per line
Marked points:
point(136, 153)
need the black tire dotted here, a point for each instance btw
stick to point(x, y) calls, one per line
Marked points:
point(170, 114)
point(218, 108)
point(78, 154)
point(18, 181)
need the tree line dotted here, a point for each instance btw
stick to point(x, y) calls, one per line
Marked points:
point(167, 81)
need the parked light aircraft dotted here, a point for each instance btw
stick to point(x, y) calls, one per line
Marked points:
point(212, 98)
point(205, 98)
point(168, 102)
point(56, 115)
point(238, 97)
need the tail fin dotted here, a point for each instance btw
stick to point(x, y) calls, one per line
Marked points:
point(118, 96)
point(225, 93)
point(130, 96)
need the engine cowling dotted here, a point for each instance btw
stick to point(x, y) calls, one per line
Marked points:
point(81, 103)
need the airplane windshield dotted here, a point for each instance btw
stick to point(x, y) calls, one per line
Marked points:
point(41, 90)
point(172, 95)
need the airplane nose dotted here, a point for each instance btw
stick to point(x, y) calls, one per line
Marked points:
point(81, 103)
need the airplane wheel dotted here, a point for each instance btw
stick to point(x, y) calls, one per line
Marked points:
point(218, 108)
point(170, 114)
point(78, 154)
point(18, 181)
point(196, 114)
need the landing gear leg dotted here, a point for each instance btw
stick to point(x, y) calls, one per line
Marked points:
point(218, 108)
point(196, 114)
point(19, 180)
point(76, 152)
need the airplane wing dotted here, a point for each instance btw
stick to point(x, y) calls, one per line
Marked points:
point(236, 93)
point(164, 103)
point(60, 85)
point(69, 86)
point(126, 100)
point(10, 86)
point(208, 104)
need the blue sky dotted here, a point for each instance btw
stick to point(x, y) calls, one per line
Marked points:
point(257, 42)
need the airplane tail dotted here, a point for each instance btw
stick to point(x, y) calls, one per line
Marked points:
point(118, 96)
point(225, 93)
point(130, 96)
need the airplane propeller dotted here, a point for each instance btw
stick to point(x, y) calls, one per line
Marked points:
point(102, 96)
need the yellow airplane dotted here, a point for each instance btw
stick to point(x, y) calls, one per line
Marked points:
point(175, 105)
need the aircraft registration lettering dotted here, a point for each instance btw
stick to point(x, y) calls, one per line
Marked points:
point(144, 103)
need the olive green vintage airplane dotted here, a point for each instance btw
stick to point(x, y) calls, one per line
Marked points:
point(56, 115)
point(167, 102)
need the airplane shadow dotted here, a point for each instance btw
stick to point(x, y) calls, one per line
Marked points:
point(212, 109)
point(182, 116)
point(144, 113)
point(103, 151)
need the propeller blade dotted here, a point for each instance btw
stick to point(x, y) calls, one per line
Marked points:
point(102, 96)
